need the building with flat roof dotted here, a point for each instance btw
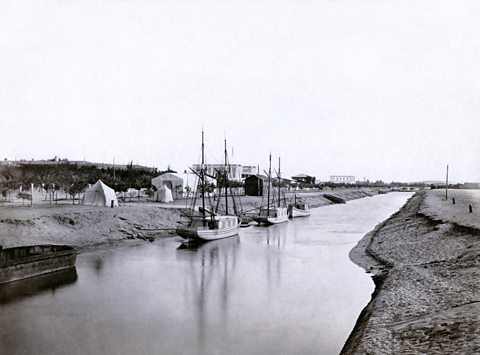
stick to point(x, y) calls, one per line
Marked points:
point(234, 170)
point(304, 179)
point(342, 179)
point(248, 170)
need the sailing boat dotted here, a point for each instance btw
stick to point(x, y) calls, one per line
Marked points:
point(270, 214)
point(208, 225)
point(298, 209)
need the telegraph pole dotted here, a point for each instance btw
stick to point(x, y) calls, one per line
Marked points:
point(446, 186)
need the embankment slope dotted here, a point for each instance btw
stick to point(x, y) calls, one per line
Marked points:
point(426, 261)
point(83, 226)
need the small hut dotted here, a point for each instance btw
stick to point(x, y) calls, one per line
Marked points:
point(256, 185)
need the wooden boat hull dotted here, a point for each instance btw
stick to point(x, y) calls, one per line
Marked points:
point(271, 220)
point(227, 227)
point(24, 262)
point(276, 216)
point(333, 198)
point(193, 233)
point(295, 212)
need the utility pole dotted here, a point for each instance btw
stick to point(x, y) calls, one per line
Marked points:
point(446, 186)
point(225, 180)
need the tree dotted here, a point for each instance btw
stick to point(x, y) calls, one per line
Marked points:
point(24, 196)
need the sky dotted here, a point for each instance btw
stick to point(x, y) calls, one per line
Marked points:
point(382, 90)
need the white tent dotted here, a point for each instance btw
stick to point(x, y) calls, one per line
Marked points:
point(164, 194)
point(99, 194)
point(172, 181)
point(131, 192)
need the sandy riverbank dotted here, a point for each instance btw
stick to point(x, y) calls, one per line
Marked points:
point(426, 265)
point(89, 227)
point(83, 226)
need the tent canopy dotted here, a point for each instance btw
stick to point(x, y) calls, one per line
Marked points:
point(164, 194)
point(99, 194)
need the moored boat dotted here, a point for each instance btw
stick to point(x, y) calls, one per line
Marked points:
point(272, 215)
point(27, 261)
point(334, 198)
point(213, 226)
point(298, 210)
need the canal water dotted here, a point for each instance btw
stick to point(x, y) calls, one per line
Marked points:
point(284, 289)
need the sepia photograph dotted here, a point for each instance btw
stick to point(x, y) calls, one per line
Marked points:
point(224, 177)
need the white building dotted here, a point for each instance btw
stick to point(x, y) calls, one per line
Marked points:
point(234, 170)
point(248, 170)
point(342, 179)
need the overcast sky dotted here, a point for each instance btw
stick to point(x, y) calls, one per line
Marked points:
point(384, 90)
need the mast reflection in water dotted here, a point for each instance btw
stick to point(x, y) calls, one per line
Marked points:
point(210, 264)
point(288, 288)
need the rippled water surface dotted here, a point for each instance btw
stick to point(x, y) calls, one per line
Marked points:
point(283, 289)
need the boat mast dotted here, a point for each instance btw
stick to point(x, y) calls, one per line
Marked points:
point(279, 181)
point(269, 181)
point(226, 179)
point(202, 177)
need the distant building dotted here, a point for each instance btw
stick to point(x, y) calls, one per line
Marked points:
point(173, 182)
point(304, 179)
point(248, 170)
point(256, 185)
point(236, 172)
point(283, 182)
point(342, 179)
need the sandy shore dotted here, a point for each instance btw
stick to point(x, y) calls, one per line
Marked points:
point(89, 227)
point(425, 262)
point(83, 226)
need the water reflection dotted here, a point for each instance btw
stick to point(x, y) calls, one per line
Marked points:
point(276, 235)
point(15, 291)
point(210, 263)
point(98, 265)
